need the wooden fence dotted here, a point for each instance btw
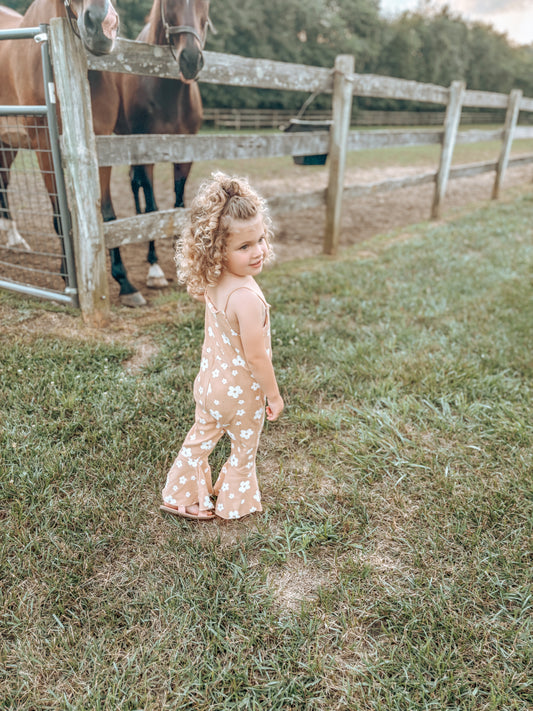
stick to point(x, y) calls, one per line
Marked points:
point(93, 237)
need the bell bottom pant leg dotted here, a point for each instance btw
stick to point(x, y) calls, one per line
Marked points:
point(189, 478)
point(237, 489)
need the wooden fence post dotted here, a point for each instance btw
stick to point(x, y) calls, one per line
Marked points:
point(338, 140)
point(451, 124)
point(511, 118)
point(78, 149)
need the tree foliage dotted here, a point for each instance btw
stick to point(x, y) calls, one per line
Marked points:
point(435, 47)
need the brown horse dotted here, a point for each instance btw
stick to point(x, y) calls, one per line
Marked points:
point(156, 105)
point(21, 83)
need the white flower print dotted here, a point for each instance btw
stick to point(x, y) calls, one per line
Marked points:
point(226, 339)
point(201, 421)
point(231, 496)
point(234, 391)
point(244, 486)
point(175, 488)
point(210, 331)
point(234, 514)
point(225, 487)
point(234, 372)
point(207, 445)
point(246, 434)
point(182, 480)
point(169, 500)
point(208, 503)
point(215, 373)
point(224, 366)
point(249, 466)
point(240, 413)
point(220, 507)
point(257, 496)
point(258, 414)
point(215, 414)
point(192, 462)
point(224, 381)
point(241, 402)
point(186, 452)
point(216, 402)
point(255, 386)
point(201, 390)
point(204, 364)
point(238, 361)
point(178, 463)
point(253, 509)
point(233, 460)
point(187, 494)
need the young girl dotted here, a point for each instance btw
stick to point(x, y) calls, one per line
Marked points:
point(223, 248)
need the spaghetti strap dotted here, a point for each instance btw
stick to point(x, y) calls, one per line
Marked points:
point(239, 288)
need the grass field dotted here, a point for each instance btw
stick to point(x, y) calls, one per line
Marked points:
point(391, 569)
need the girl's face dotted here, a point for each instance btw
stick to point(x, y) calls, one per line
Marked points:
point(246, 247)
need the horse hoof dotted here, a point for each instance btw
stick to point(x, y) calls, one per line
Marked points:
point(156, 278)
point(133, 300)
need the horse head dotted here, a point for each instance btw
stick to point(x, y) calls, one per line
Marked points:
point(183, 24)
point(97, 23)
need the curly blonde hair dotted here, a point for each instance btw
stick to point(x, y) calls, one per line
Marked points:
point(201, 250)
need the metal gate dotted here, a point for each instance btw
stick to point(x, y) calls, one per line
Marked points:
point(36, 254)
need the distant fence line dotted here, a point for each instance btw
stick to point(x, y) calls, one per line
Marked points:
point(341, 82)
point(240, 119)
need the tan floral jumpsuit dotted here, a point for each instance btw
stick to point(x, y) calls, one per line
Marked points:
point(229, 400)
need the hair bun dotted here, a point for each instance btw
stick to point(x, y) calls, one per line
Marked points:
point(231, 188)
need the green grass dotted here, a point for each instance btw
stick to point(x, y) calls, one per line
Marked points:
point(391, 569)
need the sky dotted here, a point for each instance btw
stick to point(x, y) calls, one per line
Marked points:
point(512, 17)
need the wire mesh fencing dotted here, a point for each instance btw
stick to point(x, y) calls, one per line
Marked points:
point(31, 250)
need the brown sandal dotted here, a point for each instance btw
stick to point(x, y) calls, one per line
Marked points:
point(183, 513)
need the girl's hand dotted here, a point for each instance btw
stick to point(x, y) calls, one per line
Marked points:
point(274, 408)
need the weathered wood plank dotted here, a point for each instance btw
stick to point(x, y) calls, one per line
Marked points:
point(133, 150)
point(522, 132)
point(165, 224)
point(526, 104)
point(342, 109)
point(393, 88)
point(362, 140)
point(477, 135)
point(485, 99)
point(81, 172)
point(507, 139)
point(219, 68)
point(451, 124)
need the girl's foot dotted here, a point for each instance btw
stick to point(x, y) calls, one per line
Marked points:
point(192, 512)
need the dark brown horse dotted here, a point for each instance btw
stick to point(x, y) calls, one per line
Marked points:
point(21, 83)
point(156, 105)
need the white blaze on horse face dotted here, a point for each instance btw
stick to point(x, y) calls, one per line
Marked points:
point(13, 237)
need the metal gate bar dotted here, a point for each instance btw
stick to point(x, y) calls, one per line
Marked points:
point(70, 294)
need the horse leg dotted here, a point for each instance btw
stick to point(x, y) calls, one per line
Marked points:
point(128, 295)
point(8, 226)
point(142, 176)
point(181, 173)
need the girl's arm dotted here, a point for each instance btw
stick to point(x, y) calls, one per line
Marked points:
point(249, 311)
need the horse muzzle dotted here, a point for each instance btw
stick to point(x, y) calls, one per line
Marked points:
point(98, 26)
point(191, 62)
